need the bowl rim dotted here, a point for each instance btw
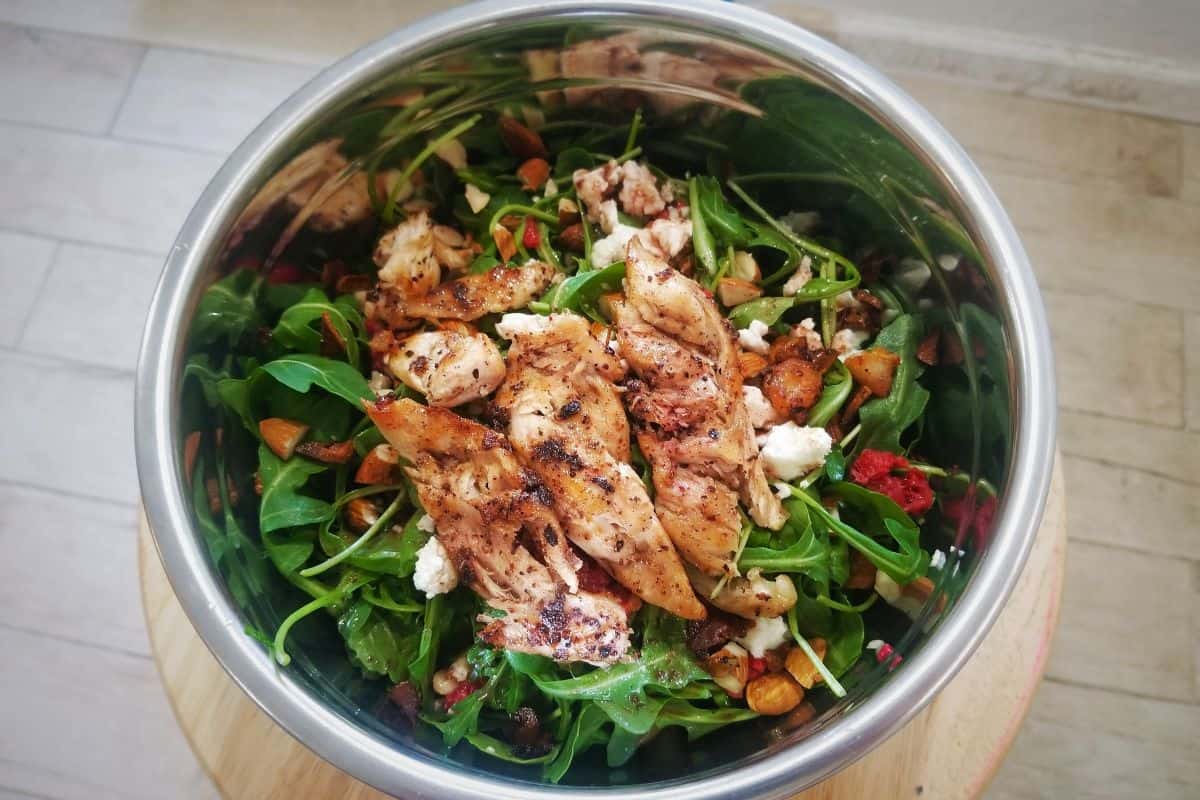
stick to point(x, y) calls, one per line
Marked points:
point(402, 772)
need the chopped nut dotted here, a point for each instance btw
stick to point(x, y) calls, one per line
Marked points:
point(477, 199)
point(505, 244)
point(744, 266)
point(571, 238)
point(792, 386)
point(801, 667)
point(533, 173)
point(376, 466)
point(927, 350)
point(862, 572)
point(282, 435)
point(360, 514)
point(729, 668)
point(735, 291)
point(773, 694)
point(453, 153)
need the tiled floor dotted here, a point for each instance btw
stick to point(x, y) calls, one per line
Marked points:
point(113, 115)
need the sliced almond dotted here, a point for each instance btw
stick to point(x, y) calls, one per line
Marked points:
point(327, 452)
point(735, 291)
point(282, 435)
point(801, 667)
point(520, 140)
point(453, 153)
point(375, 467)
point(191, 449)
point(505, 244)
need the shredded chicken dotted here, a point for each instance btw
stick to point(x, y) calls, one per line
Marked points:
point(495, 522)
point(694, 427)
point(750, 596)
point(448, 367)
point(405, 257)
point(566, 421)
point(470, 297)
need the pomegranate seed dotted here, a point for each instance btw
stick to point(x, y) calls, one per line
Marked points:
point(531, 239)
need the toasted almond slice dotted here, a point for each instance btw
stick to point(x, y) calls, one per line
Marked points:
point(802, 668)
point(735, 291)
point(874, 369)
point(375, 467)
point(282, 435)
point(505, 244)
point(520, 140)
point(191, 448)
point(327, 452)
point(533, 173)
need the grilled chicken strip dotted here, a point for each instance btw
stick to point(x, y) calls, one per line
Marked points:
point(694, 427)
point(566, 421)
point(467, 298)
point(493, 519)
point(448, 367)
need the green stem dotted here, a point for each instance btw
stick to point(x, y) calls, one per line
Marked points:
point(828, 305)
point(389, 210)
point(629, 154)
point(830, 681)
point(380, 524)
point(702, 240)
point(836, 606)
point(634, 126)
point(516, 208)
point(383, 599)
point(367, 491)
point(281, 655)
point(743, 537)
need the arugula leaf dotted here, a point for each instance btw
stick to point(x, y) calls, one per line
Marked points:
point(884, 419)
point(281, 505)
point(293, 330)
point(585, 731)
point(838, 386)
point(376, 642)
point(808, 554)
point(845, 642)
point(767, 310)
point(301, 371)
point(580, 292)
point(421, 668)
point(291, 550)
point(227, 309)
point(391, 551)
point(504, 751)
point(200, 368)
point(698, 722)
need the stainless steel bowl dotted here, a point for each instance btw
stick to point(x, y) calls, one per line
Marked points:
point(331, 721)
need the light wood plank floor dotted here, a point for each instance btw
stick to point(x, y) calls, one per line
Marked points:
point(113, 115)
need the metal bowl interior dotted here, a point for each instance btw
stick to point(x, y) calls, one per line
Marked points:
point(740, 87)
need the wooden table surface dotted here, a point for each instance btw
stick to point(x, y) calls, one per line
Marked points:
point(951, 750)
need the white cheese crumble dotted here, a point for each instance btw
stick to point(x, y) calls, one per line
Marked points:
point(671, 236)
point(765, 634)
point(434, 574)
point(782, 490)
point(611, 248)
point(477, 198)
point(875, 644)
point(425, 523)
point(937, 560)
point(912, 274)
point(608, 216)
point(790, 450)
point(847, 342)
point(751, 337)
point(800, 277)
point(762, 413)
point(806, 329)
point(551, 188)
point(847, 300)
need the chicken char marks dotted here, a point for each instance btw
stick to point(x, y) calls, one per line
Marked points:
point(493, 519)
point(567, 423)
point(692, 423)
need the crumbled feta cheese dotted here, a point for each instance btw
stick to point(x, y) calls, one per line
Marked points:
point(937, 560)
point(912, 274)
point(511, 326)
point(847, 342)
point(800, 277)
point(782, 490)
point(949, 261)
point(425, 523)
point(477, 199)
point(790, 450)
point(434, 574)
point(751, 337)
point(592, 185)
point(893, 594)
point(639, 191)
point(608, 216)
point(806, 329)
point(765, 634)
point(800, 221)
point(744, 266)
point(762, 413)
point(875, 644)
point(453, 153)
point(612, 247)
point(380, 383)
point(670, 236)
